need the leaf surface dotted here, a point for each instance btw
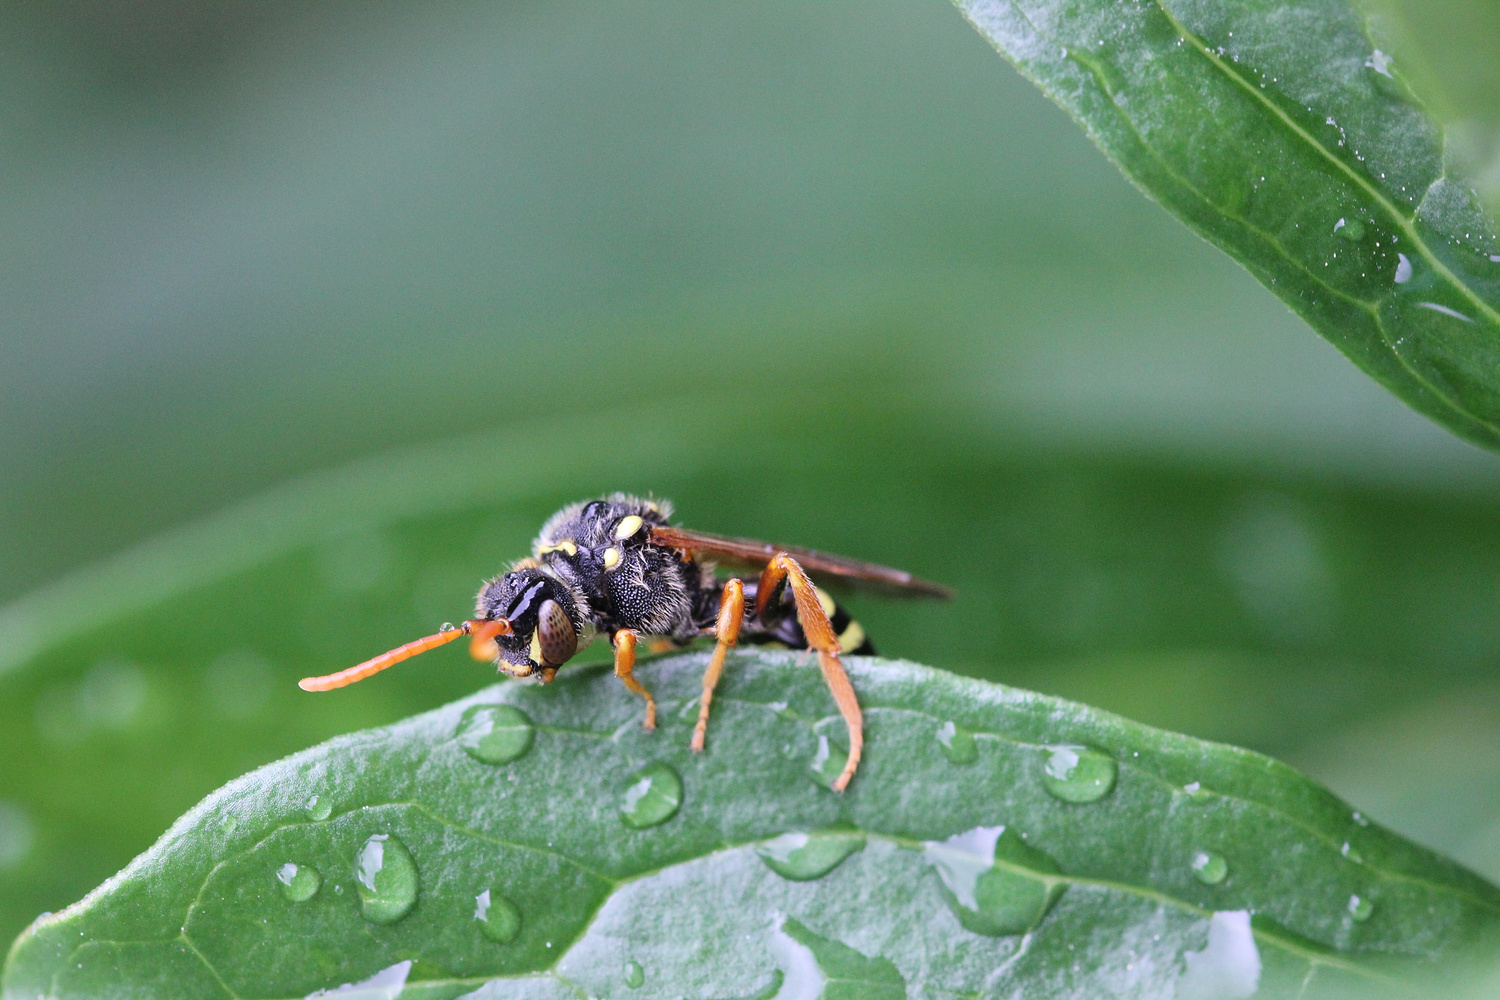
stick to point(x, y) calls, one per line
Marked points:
point(1279, 131)
point(1072, 839)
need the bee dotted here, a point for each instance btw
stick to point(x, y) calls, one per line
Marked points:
point(617, 567)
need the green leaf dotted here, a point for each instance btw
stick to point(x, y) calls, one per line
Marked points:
point(1020, 870)
point(1280, 131)
point(1251, 606)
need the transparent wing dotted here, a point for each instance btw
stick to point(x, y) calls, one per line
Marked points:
point(830, 568)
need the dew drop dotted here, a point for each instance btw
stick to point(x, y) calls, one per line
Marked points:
point(1439, 308)
point(635, 976)
point(1360, 909)
point(958, 744)
point(319, 808)
point(1349, 229)
point(1196, 793)
point(299, 883)
point(1403, 269)
point(828, 761)
point(1209, 867)
point(803, 857)
point(652, 797)
point(495, 734)
point(387, 879)
point(993, 881)
point(499, 919)
point(1078, 774)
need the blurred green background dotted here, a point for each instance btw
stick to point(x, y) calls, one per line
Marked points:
point(310, 314)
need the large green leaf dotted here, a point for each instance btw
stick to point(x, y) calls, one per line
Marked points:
point(994, 842)
point(1261, 608)
point(1280, 131)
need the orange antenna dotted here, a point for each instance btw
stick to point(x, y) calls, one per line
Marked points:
point(480, 630)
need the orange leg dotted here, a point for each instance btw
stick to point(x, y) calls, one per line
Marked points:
point(731, 614)
point(820, 636)
point(625, 640)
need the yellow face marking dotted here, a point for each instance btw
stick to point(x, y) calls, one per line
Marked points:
point(828, 606)
point(536, 646)
point(852, 639)
point(566, 545)
point(628, 526)
point(611, 557)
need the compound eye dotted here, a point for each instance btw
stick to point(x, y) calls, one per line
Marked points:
point(628, 526)
point(556, 639)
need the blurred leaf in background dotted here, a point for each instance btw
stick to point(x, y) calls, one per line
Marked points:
point(828, 274)
point(1451, 46)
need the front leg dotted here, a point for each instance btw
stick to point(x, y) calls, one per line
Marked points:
point(624, 643)
point(731, 614)
point(820, 636)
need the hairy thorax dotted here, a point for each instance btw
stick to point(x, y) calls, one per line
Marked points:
point(601, 550)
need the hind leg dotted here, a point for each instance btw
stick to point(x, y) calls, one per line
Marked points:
point(822, 638)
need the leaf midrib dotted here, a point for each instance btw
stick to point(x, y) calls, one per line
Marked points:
point(1159, 897)
point(1291, 946)
point(1441, 395)
point(1359, 179)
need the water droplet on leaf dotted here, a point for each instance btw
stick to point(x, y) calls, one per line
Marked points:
point(499, 919)
point(803, 857)
point(1360, 909)
point(299, 883)
point(1078, 774)
point(828, 761)
point(387, 879)
point(635, 976)
point(1403, 269)
point(958, 744)
point(994, 882)
point(1208, 867)
point(495, 734)
point(319, 807)
point(652, 797)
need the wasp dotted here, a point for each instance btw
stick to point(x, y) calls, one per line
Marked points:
point(617, 567)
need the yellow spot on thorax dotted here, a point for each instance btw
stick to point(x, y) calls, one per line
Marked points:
point(611, 557)
point(628, 526)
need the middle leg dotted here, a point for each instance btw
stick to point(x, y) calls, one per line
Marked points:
point(731, 614)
